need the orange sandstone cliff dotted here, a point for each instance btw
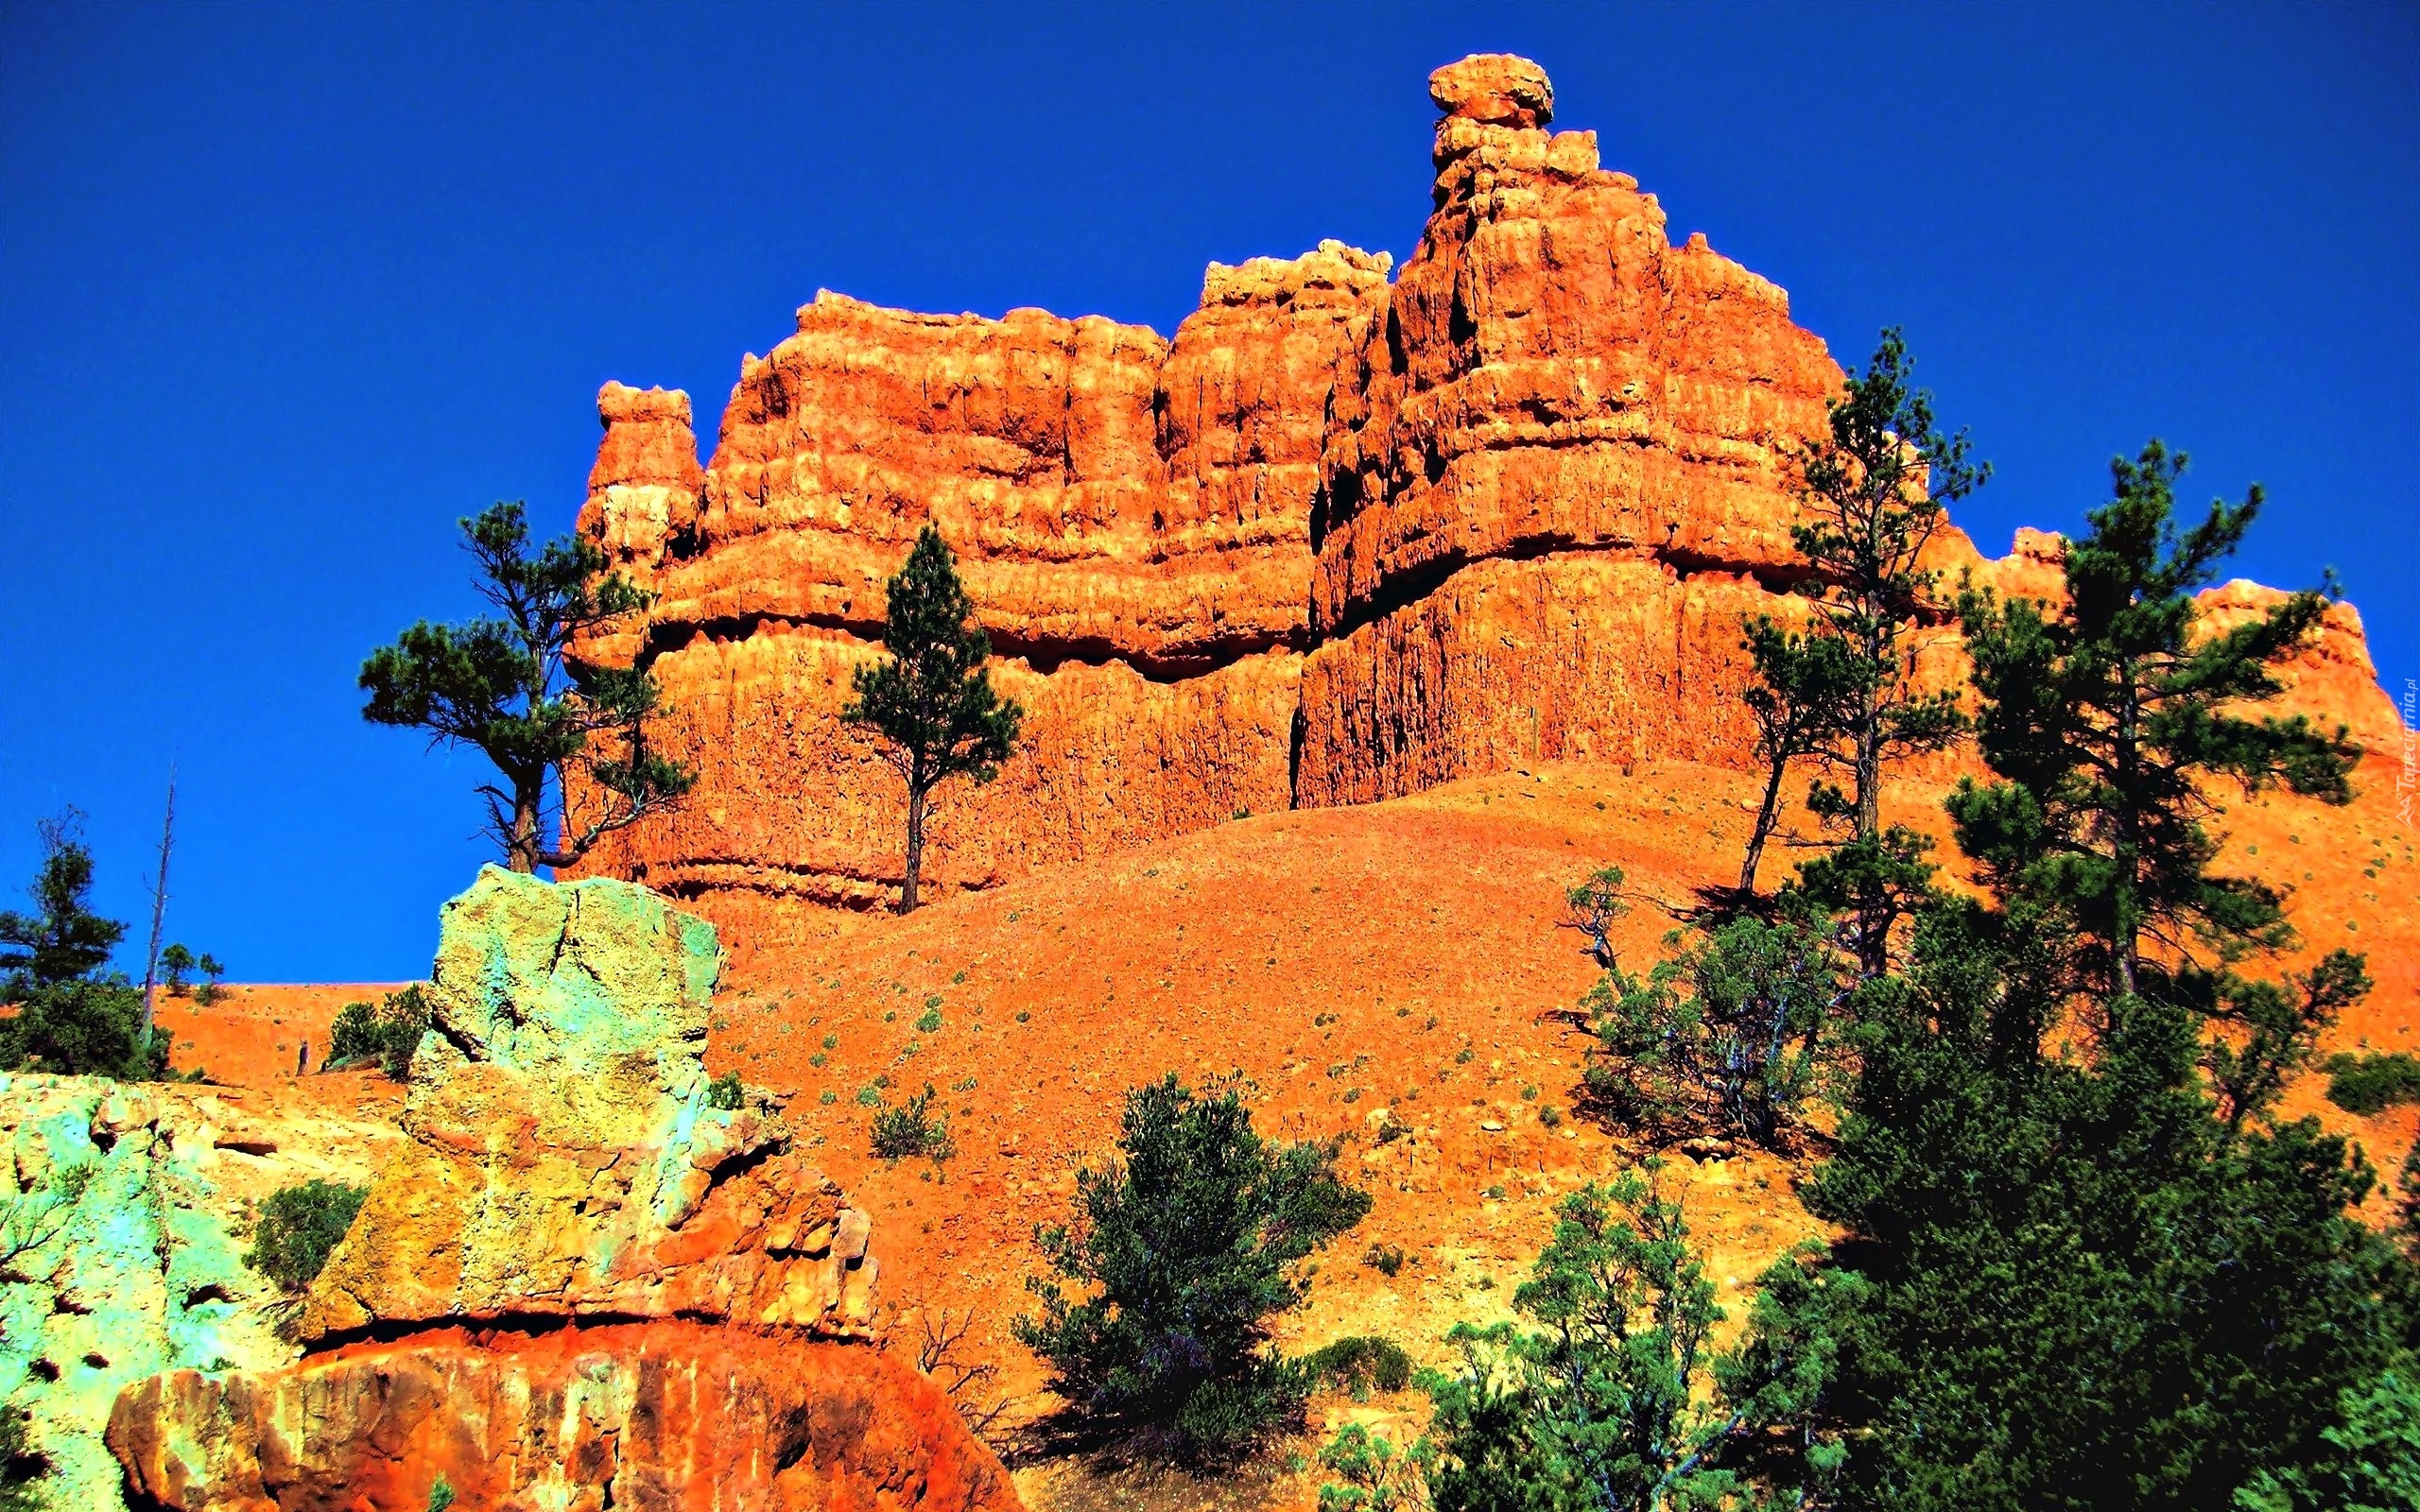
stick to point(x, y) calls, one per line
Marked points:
point(1343, 538)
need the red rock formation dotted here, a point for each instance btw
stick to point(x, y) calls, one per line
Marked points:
point(1338, 540)
point(1132, 518)
point(661, 1415)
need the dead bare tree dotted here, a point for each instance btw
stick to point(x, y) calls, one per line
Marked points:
point(971, 1385)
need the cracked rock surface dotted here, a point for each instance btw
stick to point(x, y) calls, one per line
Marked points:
point(576, 1282)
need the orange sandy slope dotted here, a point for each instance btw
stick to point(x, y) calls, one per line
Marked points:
point(1343, 960)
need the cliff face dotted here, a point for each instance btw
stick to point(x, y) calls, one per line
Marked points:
point(1341, 539)
point(1131, 514)
point(578, 1282)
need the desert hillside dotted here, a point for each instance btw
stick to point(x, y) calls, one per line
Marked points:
point(1398, 962)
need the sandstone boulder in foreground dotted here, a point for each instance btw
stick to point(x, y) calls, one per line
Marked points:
point(577, 1284)
point(121, 1253)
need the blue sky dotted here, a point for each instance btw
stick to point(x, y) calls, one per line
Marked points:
point(284, 290)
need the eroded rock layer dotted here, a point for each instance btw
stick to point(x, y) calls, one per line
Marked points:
point(588, 1277)
point(1340, 540)
point(1132, 517)
point(661, 1416)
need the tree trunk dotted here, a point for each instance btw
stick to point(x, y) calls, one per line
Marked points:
point(1869, 775)
point(520, 847)
point(159, 911)
point(915, 848)
point(1764, 826)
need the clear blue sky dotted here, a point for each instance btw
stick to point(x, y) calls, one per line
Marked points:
point(284, 290)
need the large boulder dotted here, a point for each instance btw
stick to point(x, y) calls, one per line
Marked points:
point(122, 1217)
point(578, 1282)
point(562, 1157)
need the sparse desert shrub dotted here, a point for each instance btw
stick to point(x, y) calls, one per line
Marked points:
point(910, 1129)
point(1186, 1242)
point(1385, 1259)
point(298, 1227)
point(972, 1383)
point(1378, 1475)
point(724, 1092)
point(1360, 1360)
point(1729, 1034)
point(930, 1020)
point(1595, 907)
point(2374, 1083)
point(34, 1218)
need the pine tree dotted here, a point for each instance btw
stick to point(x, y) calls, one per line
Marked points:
point(931, 698)
point(1805, 696)
point(1187, 1243)
point(2103, 722)
point(2103, 1269)
point(505, 686)
point(1872, 493)
point(72, 1019)
point(62, 938)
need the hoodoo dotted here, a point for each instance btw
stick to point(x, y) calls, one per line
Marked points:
point(1340, 540)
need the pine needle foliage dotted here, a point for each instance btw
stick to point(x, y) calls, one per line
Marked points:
point(2099, 1267)
point(931, 697)
point(508, 686)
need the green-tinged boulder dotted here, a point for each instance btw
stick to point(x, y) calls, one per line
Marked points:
point(598, 979)
point(121, 1249)
point(566, 1154)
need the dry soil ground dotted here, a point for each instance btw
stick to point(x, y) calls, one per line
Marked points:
point(1394, 964)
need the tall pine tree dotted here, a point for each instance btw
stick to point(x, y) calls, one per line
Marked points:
point(1872, 493)
point(2101, 1270)
point(931, 698)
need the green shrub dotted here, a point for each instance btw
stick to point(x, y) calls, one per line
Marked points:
point(84, 1026)
point(1729, 1035)
point(1187, 1241)
point(910, 1129)
point(1385, 1259)
point(1359, 1361)
point(297, 1228)
point(2371, 1084)
point(385, 1034)
point(1613, 1384)
point(724, 1092)
point(1378, 1475)
point(929, 1021)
